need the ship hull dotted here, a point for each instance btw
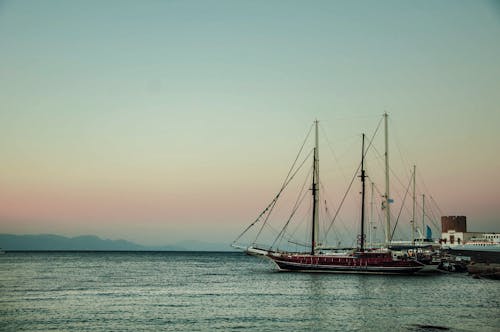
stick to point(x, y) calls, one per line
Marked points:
point(344, 265)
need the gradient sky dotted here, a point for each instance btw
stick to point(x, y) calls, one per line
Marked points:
point(158, 121)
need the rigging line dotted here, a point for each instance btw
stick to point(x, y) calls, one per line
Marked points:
point(299, 153)
point(392, 171)
point(265, 221)
point(274, 204)
point(352, 180)
point(401, 209)
point(333, 152)
point(404, 160)
point(285, 183)
point(324, 197)
point(342, 201)
point(258, 218)
point(377, 189)
point(396, 192)
point(275, 199)
point(306, 213)
point(398, 144)
point(283, 186)
point(437, 206)
point(338, 234)
point(327, 211)
point(370, 144)
point(380, 222)
point(272, 229)
point(329, 216)
point(299, 244)
point(430, 215)
point(284, 230)
point(290, 236)
point(422, 181)
point(431, 219)
point(426, 189)
point(374, 221)
point(433, 211)
point(378, 218)
point(300, 198)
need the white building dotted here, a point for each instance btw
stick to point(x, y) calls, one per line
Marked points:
point(454, 232)
point(451, 237)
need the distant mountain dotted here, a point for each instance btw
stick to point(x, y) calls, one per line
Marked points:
point(92, 242)
point(192, 245)
point(56, 242)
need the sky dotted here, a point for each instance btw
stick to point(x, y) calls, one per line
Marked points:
point(161, 121)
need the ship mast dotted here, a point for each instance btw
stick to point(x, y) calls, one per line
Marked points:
point(414, 206)
point(362, 236)
point(370, 229)
point(423, 218)
point(387, 199)
point(315, 225)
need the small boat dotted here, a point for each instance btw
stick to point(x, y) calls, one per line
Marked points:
point(359, 260)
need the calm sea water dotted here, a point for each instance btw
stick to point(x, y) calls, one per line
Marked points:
point(228, 291)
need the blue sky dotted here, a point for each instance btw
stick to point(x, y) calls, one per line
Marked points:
point(145, 120)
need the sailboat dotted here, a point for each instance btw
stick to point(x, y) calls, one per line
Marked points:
point(359, 260)
point(422, 249)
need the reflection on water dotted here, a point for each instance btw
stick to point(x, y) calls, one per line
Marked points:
point(229, 291)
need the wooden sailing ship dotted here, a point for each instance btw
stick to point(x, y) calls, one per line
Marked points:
point(357, 260)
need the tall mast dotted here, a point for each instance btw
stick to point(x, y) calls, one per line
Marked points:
point(370, 230)
point(314, 231)
point(423, 217)
point(414, 206)
point(387, 199)
point(362, 236)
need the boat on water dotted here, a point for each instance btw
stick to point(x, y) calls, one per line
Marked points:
point(484, 249)
point(428, 254)
point(359, 260)
point(423, 248)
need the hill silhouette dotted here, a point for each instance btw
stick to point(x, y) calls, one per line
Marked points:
point(91, 242)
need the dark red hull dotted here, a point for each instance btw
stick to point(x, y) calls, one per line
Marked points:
point(375, 263)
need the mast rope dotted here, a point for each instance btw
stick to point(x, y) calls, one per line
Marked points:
point(287, 180)
point(401, 209)
point(329, 216)
point(298, 202)
point(404, 161)
point(333, 152)
point(352, 181)
point(431, 214)
point(274, 204)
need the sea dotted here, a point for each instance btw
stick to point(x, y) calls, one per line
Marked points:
point(208, 291)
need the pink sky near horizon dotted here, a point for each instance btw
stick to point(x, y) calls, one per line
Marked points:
point(125, 212)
